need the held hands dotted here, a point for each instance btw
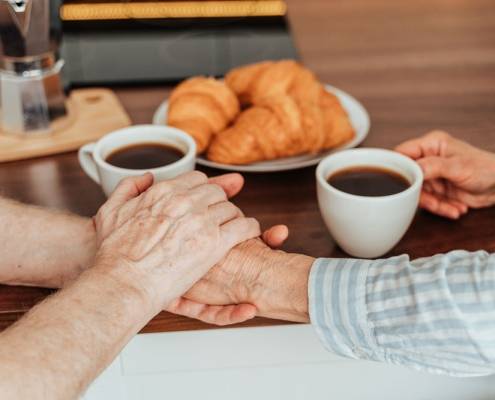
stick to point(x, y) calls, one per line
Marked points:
point(164, 238)
point(251, 280)
point(457, 175)
point(228, 294)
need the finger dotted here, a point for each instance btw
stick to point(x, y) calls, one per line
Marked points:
point(218, 315)
point(446, 193)
point(239, 230)
point(224, 212)
point(427, 187)
point(431, 144)
point(438, 186)
point(208, 194)
point(411, 148)
point(228, 315)
point(130, 188)
point(458, 197)
point(276, 235)
point(440, 167)
point(230, 183)
point(438, 206)
point(162, 190)
point(462, 207)
point(190, 180)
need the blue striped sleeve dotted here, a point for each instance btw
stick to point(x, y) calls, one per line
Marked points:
point(434, 314)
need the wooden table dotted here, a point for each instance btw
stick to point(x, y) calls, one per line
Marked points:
point(415, 66)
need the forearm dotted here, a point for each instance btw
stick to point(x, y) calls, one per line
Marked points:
point(435, 314)
point(43, 247)
point(62, 344)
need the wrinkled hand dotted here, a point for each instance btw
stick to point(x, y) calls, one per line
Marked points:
point(215, 299)
point(227, 294)
point(170, 234)
point(457, 175)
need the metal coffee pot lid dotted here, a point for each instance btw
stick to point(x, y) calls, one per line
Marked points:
point(25, 28)
point(32, 100)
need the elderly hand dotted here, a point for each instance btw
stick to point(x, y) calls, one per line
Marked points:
point(457, 175)
point(168, 235)
point(252, 280)
point(231, 292)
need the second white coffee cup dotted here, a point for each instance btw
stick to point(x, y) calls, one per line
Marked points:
point(368, 227)
point(92, 156)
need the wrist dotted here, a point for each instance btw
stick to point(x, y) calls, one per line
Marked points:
point(84, 250)
point(281, 290)
point(131, 283)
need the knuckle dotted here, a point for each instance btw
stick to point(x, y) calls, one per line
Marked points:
point(234, 210)
point(232, 207)
point(125, 184)
point(183, 200)
point(178, 205)
point(439, 134)
point(160, 189)
point(101, 212)
point(254, 223)
point(200, 175)
point(218, 190)
point(193, 175)
point(196, 221)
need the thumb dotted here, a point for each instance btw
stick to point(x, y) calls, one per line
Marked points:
point(276, 235)
point(129, 188)
point(230, 183)
point(439, 167)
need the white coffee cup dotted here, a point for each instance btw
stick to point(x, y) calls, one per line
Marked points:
point(92, 155)
point(368, 227)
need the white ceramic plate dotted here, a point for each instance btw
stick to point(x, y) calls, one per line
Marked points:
point(357, 113)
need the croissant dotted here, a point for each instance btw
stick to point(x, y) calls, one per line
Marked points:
point(335, 120)
point(270, 130)
point(280, 126)
point(275, 80)
point(256, 135)
point(255, 83)
point(287, 112)
point(202, 107)
point(240, 79)
point(306, 90)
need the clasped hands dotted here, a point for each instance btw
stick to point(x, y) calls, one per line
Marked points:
point(163, 239)
point(185, 248)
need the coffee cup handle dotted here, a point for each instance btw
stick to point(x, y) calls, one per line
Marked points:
point(87, 161)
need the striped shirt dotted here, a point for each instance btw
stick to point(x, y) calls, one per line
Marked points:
point(435, 314)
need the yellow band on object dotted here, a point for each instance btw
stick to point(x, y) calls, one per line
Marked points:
point(174, 9)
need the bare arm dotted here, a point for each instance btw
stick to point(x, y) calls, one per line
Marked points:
point(62, 344)
point(42, 247)
point(153, 244)
point(49, 248)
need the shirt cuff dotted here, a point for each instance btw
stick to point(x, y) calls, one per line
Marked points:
point(337, 307)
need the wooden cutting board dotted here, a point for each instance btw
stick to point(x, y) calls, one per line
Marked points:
point(96, 112)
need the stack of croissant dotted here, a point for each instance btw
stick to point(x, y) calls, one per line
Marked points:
point(260, 112)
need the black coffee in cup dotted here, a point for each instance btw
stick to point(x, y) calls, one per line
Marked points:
point(368, 181)
point(144, 156)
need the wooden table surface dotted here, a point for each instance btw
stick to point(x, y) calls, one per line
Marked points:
point(415, 66)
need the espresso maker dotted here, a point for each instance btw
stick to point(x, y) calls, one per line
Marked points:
point(32, 100)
